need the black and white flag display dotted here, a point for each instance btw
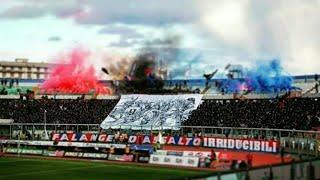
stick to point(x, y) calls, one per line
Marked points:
point(156, 111)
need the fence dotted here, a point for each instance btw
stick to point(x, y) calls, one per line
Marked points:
point(293, 141)
point(305, 170)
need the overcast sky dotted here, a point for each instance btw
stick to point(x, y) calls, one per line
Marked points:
point(222, 31)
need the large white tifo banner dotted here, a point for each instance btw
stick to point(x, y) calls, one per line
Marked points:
point(156, 111)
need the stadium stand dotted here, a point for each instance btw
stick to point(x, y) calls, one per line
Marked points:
point(57, 111)
point(295, 113)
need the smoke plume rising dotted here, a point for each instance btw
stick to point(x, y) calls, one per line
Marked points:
point(265, 77)
point(73, 76)
point(118, 67)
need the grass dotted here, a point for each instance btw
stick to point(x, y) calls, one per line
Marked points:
point(25, 168)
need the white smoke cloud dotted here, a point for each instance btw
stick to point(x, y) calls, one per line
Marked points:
point(251, 30)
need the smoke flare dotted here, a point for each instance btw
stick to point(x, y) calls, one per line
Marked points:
point(73, 76)
point(266, 77)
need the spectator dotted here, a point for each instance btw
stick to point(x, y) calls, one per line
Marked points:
point(58, 111)
point(249, 159)
point(243, 165)
point(234, 165)
point(127, 149)
point(213, 155)
point(282, 154)
point(295, 113)
point(112, 150)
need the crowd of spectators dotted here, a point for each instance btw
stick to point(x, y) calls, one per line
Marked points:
point(77, 111)
point(295, 113)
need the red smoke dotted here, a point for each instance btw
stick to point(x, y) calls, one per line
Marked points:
point(148, 71)
point(73, 76)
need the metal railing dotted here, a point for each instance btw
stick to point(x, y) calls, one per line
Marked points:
point(293, 141)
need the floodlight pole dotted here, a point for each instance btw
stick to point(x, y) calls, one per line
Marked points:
point(19, 143)
point(45, 119)
point(45, 123)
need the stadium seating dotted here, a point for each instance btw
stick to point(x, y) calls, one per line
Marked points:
point(57, 111)
point(296, 113)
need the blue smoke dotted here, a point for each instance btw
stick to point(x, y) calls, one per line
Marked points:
point(266, 77)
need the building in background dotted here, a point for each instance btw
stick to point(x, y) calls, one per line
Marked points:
point(23, 69)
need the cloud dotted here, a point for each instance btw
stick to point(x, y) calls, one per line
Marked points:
point(171, 41)
point(240, 31)
point(36, 8)
point(123, 31)
point(251, 30)
point(143, 12)
point(54, 38)
point(125, 43)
